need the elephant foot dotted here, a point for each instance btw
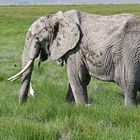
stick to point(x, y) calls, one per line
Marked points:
point(130, 102)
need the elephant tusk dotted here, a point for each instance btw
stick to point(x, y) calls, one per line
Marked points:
point(18, 75)
point(15, 78)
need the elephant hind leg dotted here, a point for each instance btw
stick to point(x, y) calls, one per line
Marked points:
point(130, 93)
point(132, 85)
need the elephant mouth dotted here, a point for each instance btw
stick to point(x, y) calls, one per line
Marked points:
point(45, 52)
point(43, 56)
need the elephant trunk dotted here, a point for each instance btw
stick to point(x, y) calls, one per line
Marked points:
point(30, 53)
point(26, 76)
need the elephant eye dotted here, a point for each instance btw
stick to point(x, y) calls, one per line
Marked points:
point(37, 38)
point(38, 41)
point(46, 29)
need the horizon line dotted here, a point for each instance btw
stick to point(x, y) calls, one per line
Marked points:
point(70, 4)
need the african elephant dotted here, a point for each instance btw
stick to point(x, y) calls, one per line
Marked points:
point(104, 47)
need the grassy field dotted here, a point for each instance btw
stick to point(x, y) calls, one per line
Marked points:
point(48, 116)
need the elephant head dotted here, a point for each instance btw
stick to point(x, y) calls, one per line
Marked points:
point(51, 37)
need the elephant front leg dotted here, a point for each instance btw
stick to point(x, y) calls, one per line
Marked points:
point(79, 89)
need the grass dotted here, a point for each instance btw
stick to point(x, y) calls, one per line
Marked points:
point(48, 116)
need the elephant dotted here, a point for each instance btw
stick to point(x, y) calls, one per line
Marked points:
point(104, 47)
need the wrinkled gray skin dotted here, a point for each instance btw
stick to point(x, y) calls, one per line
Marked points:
point(105, 47)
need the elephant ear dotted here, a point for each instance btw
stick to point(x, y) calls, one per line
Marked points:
point(66, 37)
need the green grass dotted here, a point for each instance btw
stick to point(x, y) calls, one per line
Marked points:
point(48, 116)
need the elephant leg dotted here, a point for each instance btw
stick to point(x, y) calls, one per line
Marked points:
point(69, 97)
point(130, 93)
point(77, 76)
point(131, 83)
point(79, 91)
